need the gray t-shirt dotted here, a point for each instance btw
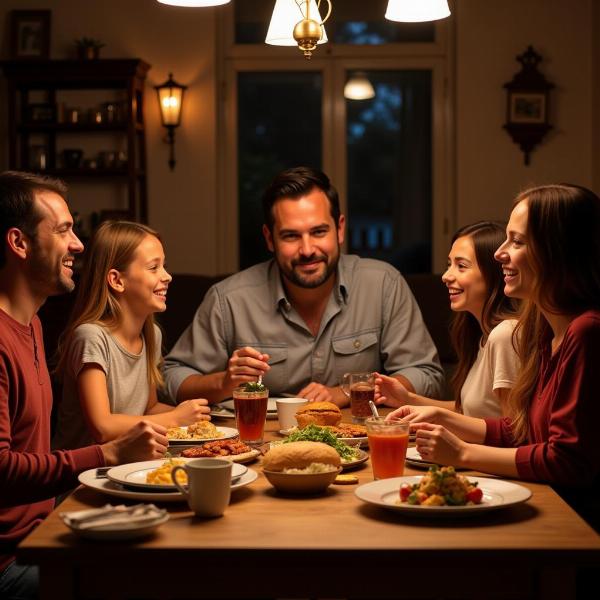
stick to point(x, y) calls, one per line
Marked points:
point(372, 322)
point(126, 381)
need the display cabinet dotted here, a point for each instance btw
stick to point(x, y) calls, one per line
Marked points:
point(45, 109)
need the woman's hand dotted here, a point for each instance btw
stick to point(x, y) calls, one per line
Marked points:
point(390, 392)
point(191, 411)
point(415, 414)
point(436, 444)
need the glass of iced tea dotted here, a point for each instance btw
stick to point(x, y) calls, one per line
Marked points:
point(360, 388)
point(388, 441)
point(250, 404)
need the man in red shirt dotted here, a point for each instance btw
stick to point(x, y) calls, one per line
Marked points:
point(37, 248)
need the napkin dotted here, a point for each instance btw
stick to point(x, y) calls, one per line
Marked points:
point(113, 517)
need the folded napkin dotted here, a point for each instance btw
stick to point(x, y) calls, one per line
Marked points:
point(113, 517)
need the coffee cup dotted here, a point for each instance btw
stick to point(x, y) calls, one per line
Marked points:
point(209, 485)
point(286, 411)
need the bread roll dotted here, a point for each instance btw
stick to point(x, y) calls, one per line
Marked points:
point(298, 455)
point(319, 413)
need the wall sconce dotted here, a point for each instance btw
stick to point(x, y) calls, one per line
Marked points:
point(528, 96)
point(170, 100)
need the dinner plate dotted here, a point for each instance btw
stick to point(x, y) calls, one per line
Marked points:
point(228, 432)
point(130, 531)
point(497, 493)
point(243, 458)
point(362, 457)
point(133, 475)
point(225, 409)
point(111, 488)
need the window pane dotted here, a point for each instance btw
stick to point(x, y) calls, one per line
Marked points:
point(351, 22)
point(389, 170)
point(279, 126)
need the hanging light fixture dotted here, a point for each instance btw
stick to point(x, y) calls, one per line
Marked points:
point(414, 11)
point(358, 87)
point(194, 3)
point(170, 100)
point(298, 22)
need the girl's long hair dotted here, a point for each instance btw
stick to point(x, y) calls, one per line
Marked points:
point(112, 247)
point(563, 249)
point(465, 331)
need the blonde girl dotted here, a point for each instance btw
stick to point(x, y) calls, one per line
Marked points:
point(110, 352)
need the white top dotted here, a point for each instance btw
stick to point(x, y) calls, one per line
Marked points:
point(495, 367)
point(126, 381)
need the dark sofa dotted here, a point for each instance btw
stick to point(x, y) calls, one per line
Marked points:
point(186, 293)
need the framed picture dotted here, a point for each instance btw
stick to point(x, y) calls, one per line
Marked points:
point(30, 34)
point(527, 108)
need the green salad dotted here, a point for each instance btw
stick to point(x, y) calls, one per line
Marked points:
point(314, 433)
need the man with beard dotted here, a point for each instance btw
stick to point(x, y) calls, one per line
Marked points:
point(36, 261)
point(306, 317)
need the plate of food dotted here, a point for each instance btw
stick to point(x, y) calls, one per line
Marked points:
point(156, 474)
point(441, 492)
point(350, 434)
point(90, 479)
point(361, 458)
point(202, 431)
point(231, 449)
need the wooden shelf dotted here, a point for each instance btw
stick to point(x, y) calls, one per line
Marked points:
point(73, 127)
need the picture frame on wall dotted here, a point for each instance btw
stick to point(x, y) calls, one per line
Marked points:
point(30, 34)
point(527, 107)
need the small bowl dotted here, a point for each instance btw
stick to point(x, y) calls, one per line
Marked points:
point(301, 483)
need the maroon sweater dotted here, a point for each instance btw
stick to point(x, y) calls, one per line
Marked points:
point(30, 475)
point(562, 446)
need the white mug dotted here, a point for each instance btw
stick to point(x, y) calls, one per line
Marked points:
point(286, 411)
point(209, 485)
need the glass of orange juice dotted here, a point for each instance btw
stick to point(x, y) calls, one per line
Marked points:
point(388, 441)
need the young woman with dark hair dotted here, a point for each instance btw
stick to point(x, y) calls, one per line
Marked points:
point(481, 330)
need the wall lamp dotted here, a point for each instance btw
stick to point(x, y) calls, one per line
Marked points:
point(170, 99)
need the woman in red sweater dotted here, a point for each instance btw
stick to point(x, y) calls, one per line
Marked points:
point(550, 260)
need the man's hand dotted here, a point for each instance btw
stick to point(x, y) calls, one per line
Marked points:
point(246, 364)
point(191, 411)
point(317, 392)
point(144, 441)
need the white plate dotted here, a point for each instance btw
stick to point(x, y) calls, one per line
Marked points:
point(106, 486)
point(127, 532)
point(228, 432)
point(133, 475)
point(353, 441)
point(497, 493)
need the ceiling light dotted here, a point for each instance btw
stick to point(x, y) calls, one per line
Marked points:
point(194, 3)
point(413, 11)
point(358, 87)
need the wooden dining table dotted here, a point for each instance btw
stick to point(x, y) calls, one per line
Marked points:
point(268, 545)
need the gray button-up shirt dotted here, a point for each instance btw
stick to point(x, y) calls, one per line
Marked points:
point(372, 322)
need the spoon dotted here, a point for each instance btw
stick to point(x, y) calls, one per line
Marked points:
point(260, 380)
point(373, 409)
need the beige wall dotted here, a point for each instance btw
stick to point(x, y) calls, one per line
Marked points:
point(489, 34)
point(181, 202)
point(489, 171)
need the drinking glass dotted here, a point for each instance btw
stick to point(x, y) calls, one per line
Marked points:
point(360, 388)
point(388, 441)
point(250, 414)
